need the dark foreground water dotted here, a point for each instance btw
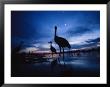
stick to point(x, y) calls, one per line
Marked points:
point(76, 66)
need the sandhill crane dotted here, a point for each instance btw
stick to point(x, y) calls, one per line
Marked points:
point(62, 42)
point(53, 50)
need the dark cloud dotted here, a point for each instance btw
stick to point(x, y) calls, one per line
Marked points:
point(89, 43)
point(76, 46)
point(93, 40)
point(77, 31)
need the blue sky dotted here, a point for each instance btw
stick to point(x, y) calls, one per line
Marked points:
point(36, 28)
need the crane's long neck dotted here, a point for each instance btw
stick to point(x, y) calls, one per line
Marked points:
point(50, 44)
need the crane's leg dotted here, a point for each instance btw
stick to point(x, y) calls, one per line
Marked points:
point(63, 56)
point(60, 52)
point(59, 55)
point(52, 54)
point(69, 52)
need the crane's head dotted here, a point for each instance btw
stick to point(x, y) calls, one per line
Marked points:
point(55, 27)
point(50, 42)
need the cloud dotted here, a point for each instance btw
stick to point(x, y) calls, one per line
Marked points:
point(87, 43)
point(77, 31)
point(82, 29)
point(29, 49)
point(93, 40)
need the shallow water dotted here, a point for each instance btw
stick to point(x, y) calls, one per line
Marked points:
point(76, 66)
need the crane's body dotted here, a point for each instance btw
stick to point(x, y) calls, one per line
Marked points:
point(62, 42)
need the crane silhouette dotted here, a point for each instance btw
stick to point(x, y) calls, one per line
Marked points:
point(61, 42)
point(54, 62)
point(53, 50)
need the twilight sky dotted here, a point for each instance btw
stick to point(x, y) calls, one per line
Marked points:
point(36, 28)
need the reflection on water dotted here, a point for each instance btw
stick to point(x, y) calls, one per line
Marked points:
point(74, 66)
point(76, 62)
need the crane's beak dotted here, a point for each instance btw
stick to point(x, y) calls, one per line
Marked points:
point(50, 42)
